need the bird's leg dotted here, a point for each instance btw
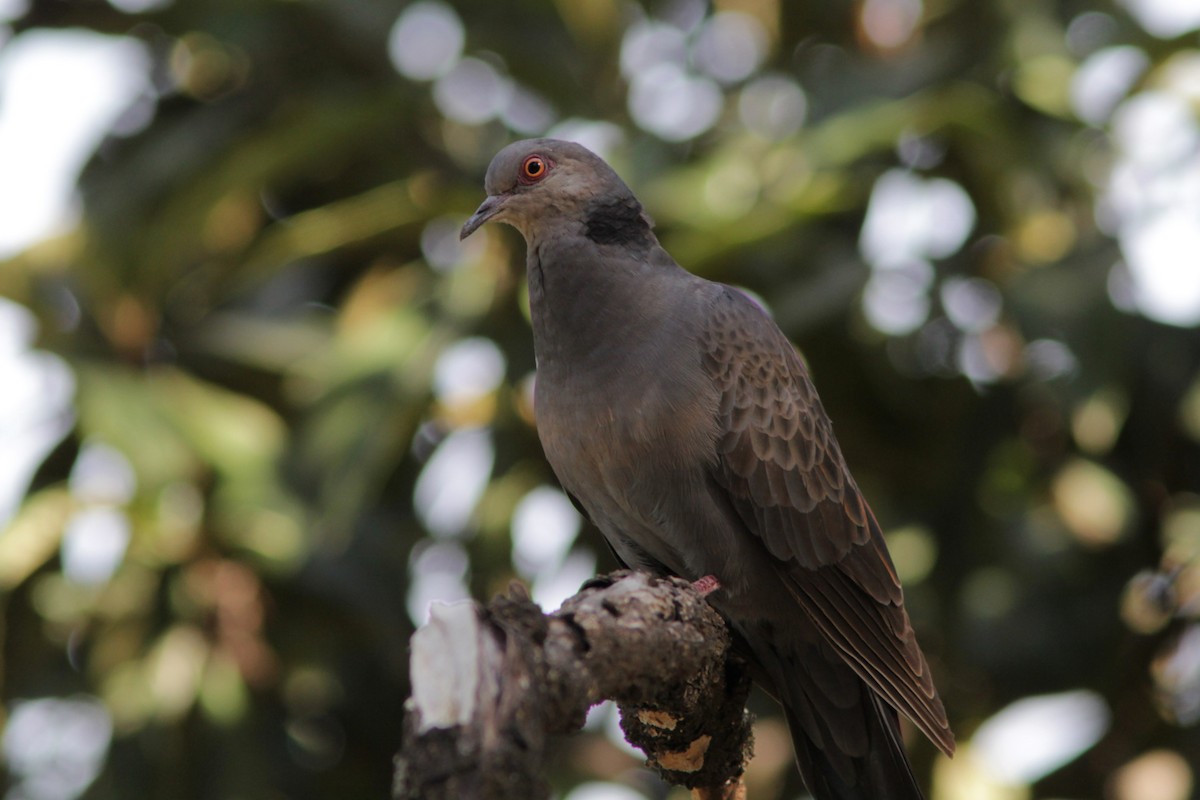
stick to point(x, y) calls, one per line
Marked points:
point(706, 585)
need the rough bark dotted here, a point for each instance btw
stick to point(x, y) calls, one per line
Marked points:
point(492, 685)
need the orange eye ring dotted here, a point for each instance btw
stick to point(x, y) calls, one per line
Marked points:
point(533, 169)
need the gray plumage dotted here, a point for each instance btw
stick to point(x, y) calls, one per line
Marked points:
point(682, 420)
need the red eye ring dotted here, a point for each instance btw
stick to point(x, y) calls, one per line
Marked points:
point(533, 169)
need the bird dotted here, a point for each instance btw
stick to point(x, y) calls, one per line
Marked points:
point(679, 417)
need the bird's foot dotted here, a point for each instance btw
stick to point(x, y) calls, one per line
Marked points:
point(706, 585)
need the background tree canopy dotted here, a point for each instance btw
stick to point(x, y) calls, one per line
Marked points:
point(259, 407)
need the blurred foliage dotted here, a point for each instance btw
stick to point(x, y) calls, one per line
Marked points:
point(257, 298)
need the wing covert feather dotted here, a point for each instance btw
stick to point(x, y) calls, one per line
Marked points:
point(785, 476)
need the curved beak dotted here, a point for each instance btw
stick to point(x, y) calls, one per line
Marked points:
point(487, 209)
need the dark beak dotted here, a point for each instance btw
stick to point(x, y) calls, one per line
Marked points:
point(487, 209)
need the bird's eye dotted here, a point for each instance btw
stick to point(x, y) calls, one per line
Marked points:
point(533, 169)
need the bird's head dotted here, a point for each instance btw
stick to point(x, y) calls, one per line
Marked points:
point(536, 183)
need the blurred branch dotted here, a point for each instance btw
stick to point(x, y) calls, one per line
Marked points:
point(492, 685)
point(335, 225)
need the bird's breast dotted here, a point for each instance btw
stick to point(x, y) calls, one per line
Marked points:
point(616, 424)
point(624, 448)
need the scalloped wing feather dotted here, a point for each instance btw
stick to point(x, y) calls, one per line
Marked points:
point(785, 476)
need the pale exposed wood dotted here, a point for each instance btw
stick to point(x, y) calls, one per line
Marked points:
point(492, 684)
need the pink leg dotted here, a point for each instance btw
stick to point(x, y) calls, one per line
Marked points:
point(706, 585)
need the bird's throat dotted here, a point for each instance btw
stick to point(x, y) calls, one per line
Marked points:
point(583, 308)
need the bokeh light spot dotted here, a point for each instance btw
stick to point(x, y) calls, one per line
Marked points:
point(602, 138)
point(730, 46)
point(1165, 19)
point(1048, 359)
point(604, 790)
point(528, 112)
point(1044, 236)
point(1177, 677)
point(972, 304)
point(62, 91)
point(1097, 421)
point(94, 544)
point(472, 92)
point(914, 552)
point(10, 10)
point(174, 671)
point(918, 152)
point(467, 370)
point(1044, 82)
point(989, 355)
point(1154, 775)
point(1148, 602)
point(896, 300)
point(909, 217)
point(1033, 736)
point(544, 526)
point(452, 481)
point(648, 44)
point(890, 23)
point(55, 747)
point(437, 573)
point(426, 40)
point(552, 587)
point(1104, 79)
point(1181, 530)
point(1155, 128)
point(102, 474)
point(1095, 505)
point(441, 247)
point(668, 102)
point(1090, 31)
point(35, 405)
point(773, 106)
point(1160, 253)
point(138, 6)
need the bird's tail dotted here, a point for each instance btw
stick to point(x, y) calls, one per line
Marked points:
point(883, 772)
point(846, 737)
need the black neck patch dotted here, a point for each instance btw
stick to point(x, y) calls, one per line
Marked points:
point(617, 222)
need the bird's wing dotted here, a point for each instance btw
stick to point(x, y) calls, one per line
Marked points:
point(785, 476)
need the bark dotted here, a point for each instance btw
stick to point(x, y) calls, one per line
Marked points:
point(493, 685)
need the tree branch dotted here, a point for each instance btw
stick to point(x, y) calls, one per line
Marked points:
point(492, 685)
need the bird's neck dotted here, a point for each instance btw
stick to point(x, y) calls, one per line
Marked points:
point(586, 298)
